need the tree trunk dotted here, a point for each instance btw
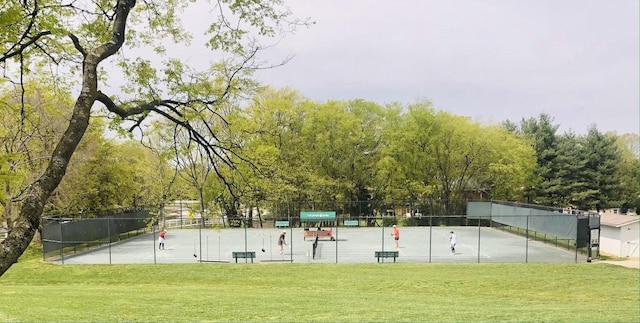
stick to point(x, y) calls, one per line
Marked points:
point(28, 220)
point(259, 215)
point(201, 196)
point(8, 206)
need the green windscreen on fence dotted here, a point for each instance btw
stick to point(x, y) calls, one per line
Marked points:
point(549, 220)
point(60, 232)
point(317, 216)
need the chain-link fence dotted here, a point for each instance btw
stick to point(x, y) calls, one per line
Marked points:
point(486, 233)
point(75, 233)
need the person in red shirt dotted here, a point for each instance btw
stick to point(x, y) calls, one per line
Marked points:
point(396, 235)
point(161, 239)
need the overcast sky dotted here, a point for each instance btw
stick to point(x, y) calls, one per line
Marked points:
point(576, 60)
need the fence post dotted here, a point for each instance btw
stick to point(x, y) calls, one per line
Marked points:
point(337, 222)
point(430, 234)
point(61, 241)
point(290, 238)
point(576, 238)
point(109, 237)
point(382, 234)
point(526, 246)
point(246, 222)
point(478, 240)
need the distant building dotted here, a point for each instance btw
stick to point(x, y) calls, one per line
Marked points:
point(619, 233)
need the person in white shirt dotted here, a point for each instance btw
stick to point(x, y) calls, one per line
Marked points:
point(453, 239)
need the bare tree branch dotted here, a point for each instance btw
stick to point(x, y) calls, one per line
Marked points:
point(22, 47)
point(77, 45)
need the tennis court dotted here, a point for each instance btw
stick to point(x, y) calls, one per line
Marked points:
point(352, 245)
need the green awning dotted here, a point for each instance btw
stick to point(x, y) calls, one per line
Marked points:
point(318, 216)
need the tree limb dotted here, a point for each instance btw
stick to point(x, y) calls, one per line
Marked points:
point(77, 45)
point(119, 27)
point(21, 48)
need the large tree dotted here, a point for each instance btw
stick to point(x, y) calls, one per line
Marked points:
point(77, 38)
point(590, 172)
point(105, 174)
point(31, 121)
point(628, 172)
point(603, 160)
point(445, 157)
point(546, 187)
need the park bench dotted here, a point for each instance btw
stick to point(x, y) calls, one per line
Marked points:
point(282, 224)
point(387, 254)
point(318, 233)
point(243, 254)
point(351, 223)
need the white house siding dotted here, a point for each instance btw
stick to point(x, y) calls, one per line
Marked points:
point(629, 240)
point(619, 234)
point(610, 240)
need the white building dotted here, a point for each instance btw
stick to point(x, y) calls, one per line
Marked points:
point(619, 234)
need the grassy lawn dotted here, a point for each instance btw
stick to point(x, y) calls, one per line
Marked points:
point(33, 291)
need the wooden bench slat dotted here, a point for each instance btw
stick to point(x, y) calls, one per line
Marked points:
point(316, 233)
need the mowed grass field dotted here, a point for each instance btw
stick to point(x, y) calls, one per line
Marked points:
point(34, 291)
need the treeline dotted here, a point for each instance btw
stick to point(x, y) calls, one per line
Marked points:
point(285, 147)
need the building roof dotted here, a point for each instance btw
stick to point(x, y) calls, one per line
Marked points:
point(617, 220)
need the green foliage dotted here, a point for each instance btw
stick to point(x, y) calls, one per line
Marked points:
point(31, 124)
point(280, 147)
point(107, 174)
point(602, 162)
point(351, 150)
point(627, 171)
point(591, 172)
point(80, 41)
point(571, 185)
point(441, 156)
point(542, 133)
point(262, 17)
point(313, 151)
point(511, 164)
point(347, 151)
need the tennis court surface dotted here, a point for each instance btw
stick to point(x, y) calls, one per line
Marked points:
point(352, 245)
